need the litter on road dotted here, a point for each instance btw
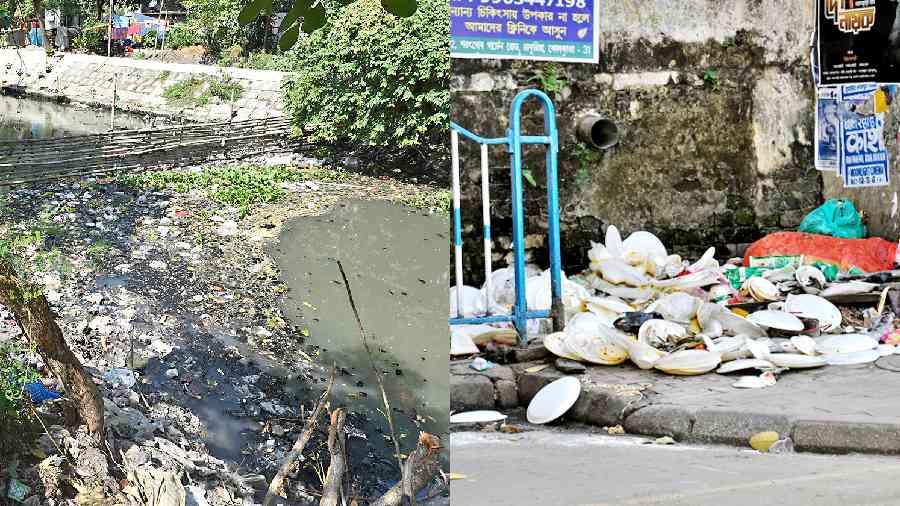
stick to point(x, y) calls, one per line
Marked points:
point(783, 306)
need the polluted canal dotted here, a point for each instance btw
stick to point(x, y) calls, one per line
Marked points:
point(395, 259)
point(25, 119)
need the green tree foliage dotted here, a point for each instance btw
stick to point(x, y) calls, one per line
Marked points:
point(311, 15)
point(372, 78)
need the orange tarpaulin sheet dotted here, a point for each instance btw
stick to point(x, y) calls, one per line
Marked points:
point(868, 255)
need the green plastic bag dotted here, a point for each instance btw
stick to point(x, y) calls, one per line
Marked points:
point(837, 218)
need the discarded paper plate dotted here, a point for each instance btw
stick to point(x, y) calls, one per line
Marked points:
point(759, 348)
point(806, 275)
point(848, 288)
point(614, 242)
point(645, 243)
point(804, 344)
point(678, 307)
point(743, 364)
point(618, 272)
point(597, 350)
point(556, 344)
point(477, 417)
point(765, 379)
point(813, 306)
point(761, 289)
point(857, 357)
point(776, 320)
point(846, 343)
point(658, 332)
point(552, 401)
point(797, 361)
point(642, 355)
point(727, 344)
point(886, 349)
point(688, 362)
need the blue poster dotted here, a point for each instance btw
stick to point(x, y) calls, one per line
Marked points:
point(827, 129)
point(864, 157)
point(551, 30)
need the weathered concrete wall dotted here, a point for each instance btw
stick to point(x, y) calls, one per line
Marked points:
point(701, 161)
point(88, 79)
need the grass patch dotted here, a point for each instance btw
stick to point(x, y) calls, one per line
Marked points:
point(437, 201)
point(243, 186)
point(97, 251)
point(222, 88)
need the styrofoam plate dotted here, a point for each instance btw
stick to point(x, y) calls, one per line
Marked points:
point(796, 360)
point(552, 401)
point(858, 357)
point(846, 343)
point(813, 306)
point(742, 364)
point(776, 320)
point(556, 344)
point(477, 417)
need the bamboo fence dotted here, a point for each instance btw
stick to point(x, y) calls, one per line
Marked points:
point(132, 150)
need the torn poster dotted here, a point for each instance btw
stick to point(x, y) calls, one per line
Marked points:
point(858, 41)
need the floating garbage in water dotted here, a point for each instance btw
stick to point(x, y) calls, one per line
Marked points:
point(554, 400)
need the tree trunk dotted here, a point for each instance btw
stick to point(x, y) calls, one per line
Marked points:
point(38, 323)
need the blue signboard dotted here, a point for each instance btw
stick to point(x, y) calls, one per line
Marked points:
point(555, 30)
point(864, 157)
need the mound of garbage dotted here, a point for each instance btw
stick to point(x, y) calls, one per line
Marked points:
point(773, 310)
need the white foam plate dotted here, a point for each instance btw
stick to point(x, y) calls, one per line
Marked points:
point(477, 417)
point(858, 357)
point(846, 343)
point(552, 401)
point(742, 364)
point(556, 344)
point(813, 306)
point(776, 320)
point(797, 361)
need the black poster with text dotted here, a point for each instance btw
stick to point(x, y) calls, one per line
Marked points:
point(858, 41)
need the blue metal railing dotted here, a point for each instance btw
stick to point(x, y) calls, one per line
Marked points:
point(514, 141)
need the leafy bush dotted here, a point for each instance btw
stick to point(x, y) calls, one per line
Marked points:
point(371, 78)
point(90, 41)
point(149, 38)
point(14, 373)
point(180, 36)
point(182, 91)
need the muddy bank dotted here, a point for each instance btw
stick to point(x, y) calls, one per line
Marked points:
point(177, 290)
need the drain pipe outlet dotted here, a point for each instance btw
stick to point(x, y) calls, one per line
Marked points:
point(598, 131)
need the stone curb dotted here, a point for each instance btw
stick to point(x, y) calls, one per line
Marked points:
point(604, 406)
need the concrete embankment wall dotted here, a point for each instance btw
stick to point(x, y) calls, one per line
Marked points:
point(715, 106)
point(140, 84)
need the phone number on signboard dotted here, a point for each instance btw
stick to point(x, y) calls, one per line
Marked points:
point(581, 4)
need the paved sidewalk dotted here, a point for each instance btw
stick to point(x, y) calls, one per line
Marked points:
point(572, 468)
point(835, 409)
